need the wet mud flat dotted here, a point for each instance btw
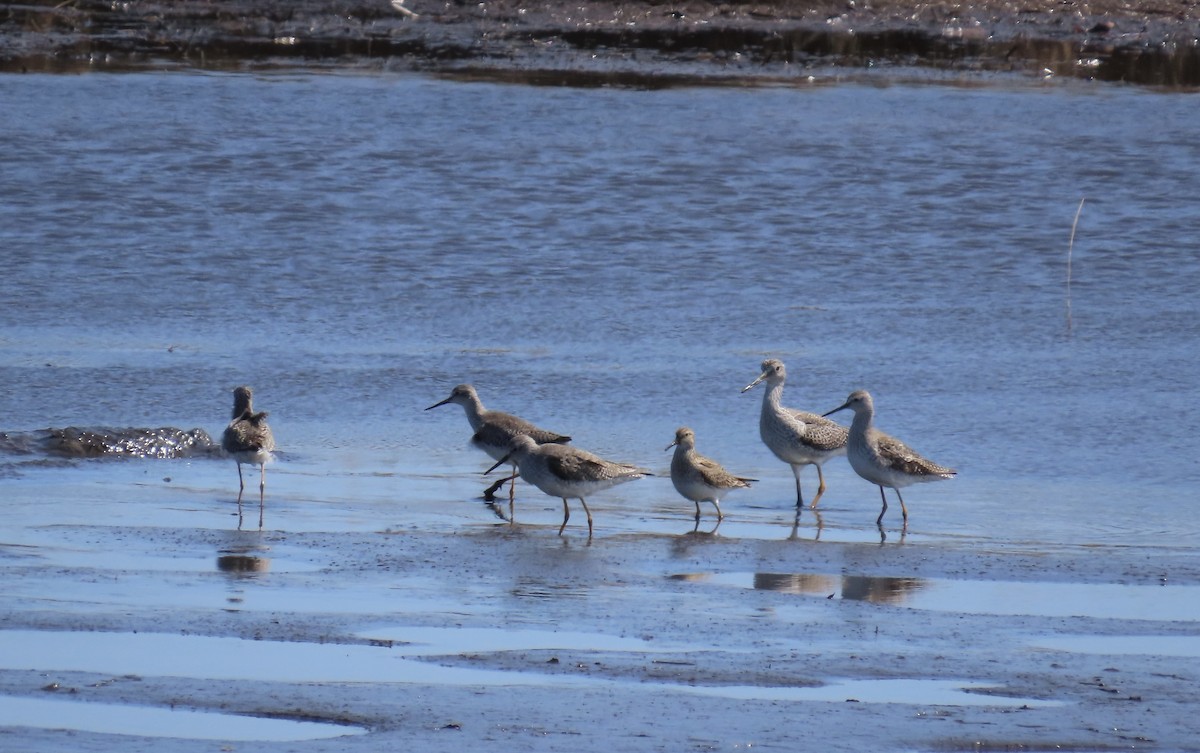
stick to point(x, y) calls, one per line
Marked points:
point(450, 629)
point(650, 44)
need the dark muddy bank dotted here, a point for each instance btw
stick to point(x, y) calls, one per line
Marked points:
point(1151, 42)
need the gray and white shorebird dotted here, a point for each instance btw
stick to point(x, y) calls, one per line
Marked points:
point(884, 460)
point(797, 437)
point(494, 432)
point(699, 478)
point(566, 472)
point(248, 439)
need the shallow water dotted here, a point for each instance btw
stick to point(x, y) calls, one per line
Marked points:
point(123, 719)
point(1123, 645)
point(231, 659)
point(614, 264)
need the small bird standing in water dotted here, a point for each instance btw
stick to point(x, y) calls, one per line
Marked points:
point(699, 478)
point(249, 440)
point(563, 471)
point(494, 432)
point(884, 460)
point(798, 438)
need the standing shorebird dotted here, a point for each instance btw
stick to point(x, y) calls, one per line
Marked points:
point(494, 433)
point(796, 437)
point(249, 440)
point(563, 471)
point(884, 460)
point(699, 478)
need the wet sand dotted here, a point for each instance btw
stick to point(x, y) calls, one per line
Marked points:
point(407, 611)
point(638, 44)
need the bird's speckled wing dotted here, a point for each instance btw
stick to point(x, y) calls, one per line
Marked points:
point(902, 458)
point(499, 428)
point(820, 432)
point(249, 433)
point(578, 467)
point(542, 436)
point(717, 477)
point(584, 466)
point(491, 435)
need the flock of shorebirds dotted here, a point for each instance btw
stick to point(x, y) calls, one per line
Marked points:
point(546, 460)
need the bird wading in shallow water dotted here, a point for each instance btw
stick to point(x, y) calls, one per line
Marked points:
point(699, 478)
point(884, 460)
point(249, 440)
point(566, 472)
point(796, 437)
point(494, 432)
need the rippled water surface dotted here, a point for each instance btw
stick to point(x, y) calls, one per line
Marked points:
point(614, 264)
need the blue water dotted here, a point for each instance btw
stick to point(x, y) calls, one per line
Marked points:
point(613, 264)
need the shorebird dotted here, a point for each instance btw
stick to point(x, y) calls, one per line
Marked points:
point(249, 440)
point(564, 471)
point(884, 460)
point(699, 478)
point(494, 432)
point(796, 437)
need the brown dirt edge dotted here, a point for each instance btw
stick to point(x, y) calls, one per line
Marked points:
point(1148, 42)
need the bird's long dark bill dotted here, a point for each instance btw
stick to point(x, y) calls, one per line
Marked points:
point(843, 406)
point(754, 384)
point(435, 405)
point(670, 446)
point(498, 463)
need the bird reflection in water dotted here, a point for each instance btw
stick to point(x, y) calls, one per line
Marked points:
point(243, 564)
point(682, 544)
point(875, 589)
point(243, 560)
point(795, 534)
point(879, 590)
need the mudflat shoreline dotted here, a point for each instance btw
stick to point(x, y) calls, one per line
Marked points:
point(1149, 42)
point(448, 630)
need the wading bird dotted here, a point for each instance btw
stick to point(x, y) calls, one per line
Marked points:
point(249, 440)
point(884, 460)
point(796, 437)
point(494, 432)
point(566, 472)
point(699, 478)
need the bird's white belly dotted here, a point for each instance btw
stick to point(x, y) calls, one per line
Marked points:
point(694, 489)
point(253, 457)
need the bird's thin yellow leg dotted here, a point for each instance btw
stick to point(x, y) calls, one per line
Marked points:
point(879, 520)
point(697, 511)
point(566, 516)
point(903, 509)
point(720, 515)
point(583, 502)
point(262, 491)
point(820, 488)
